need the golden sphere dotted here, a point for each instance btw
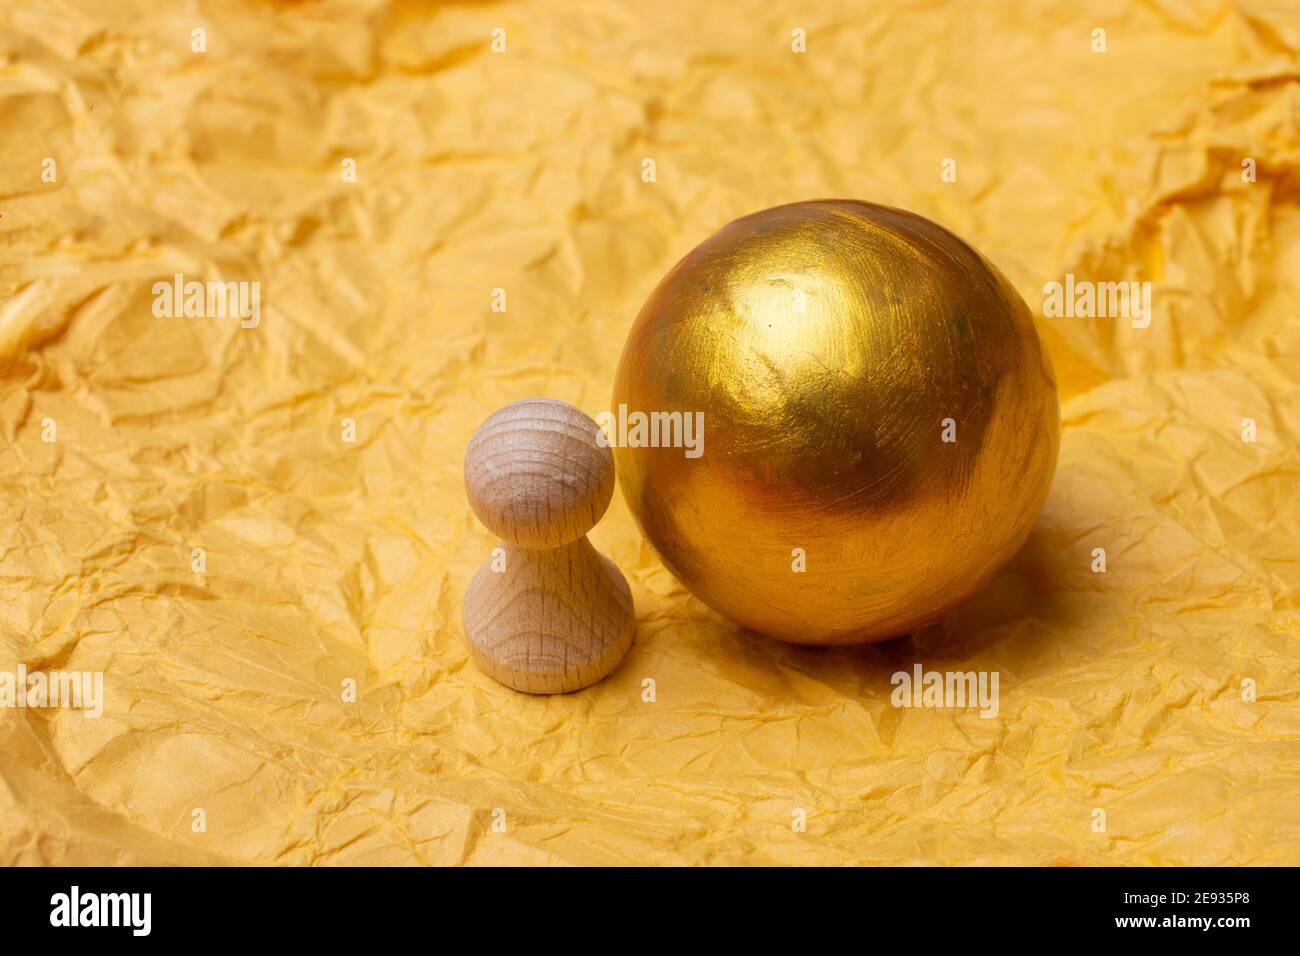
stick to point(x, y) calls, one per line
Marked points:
point(880, 423)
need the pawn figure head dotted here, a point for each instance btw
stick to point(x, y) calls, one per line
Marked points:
point(535, 474)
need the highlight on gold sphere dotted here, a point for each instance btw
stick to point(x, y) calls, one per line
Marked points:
point(880, 421)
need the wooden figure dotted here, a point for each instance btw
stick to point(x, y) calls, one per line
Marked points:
point(547, 614)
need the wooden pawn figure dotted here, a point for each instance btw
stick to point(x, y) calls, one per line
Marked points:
point(557, 616)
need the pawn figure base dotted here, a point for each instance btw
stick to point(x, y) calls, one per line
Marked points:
point(552, 620)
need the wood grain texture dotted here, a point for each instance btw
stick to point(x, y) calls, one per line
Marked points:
point(550, 615)
point(553, 621)
point(535, 475)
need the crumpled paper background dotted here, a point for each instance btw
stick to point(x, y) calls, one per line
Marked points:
point(521, 170)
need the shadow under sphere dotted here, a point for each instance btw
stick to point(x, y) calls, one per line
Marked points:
point(827, 343)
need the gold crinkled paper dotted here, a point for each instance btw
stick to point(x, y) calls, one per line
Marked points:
point(1163, 692)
